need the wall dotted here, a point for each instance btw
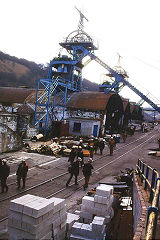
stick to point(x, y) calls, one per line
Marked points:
point(9, 119)
point(9, 140)
point(139, 210)
point(87, 126)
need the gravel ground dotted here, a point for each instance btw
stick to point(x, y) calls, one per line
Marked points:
point(106, 167)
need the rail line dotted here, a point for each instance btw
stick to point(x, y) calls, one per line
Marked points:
point(79, 180)
point(63, 174)
point(46, 163)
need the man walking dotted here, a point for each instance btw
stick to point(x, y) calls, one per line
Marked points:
point(80, 155)
point(74, 170)
point(73, 154)
point(111, 144)
point(124, 136)
point(5, 170)
point(101, 145)
point(87, 172)
point(22, 174)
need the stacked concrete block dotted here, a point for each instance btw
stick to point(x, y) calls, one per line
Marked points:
point(59, 219)
point(99, 205)
point(93, 231)
point(33, 217)
point(86, 213)
point(71, 219)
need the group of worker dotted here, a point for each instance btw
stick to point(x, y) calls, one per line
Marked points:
point(74, 170)
point(5, 171)
point(76, 158)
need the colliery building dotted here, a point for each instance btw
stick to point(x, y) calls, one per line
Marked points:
point(86, 114)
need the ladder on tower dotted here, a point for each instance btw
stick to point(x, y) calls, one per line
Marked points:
point(43, 101)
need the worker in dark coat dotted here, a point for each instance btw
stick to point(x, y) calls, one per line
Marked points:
point(101, 145)
point(91, 151)
point(87, 172)
point(72, 154)
point(96, 145)
point(80, 155)
point(74, 170)
point(4, 175)
point(111, 144)
point(124, 136)
point(22, 174)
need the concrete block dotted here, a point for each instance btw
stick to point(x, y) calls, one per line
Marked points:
point(86, 230)
point(17, 204)
point(13, 214)
point(104, 207)
point(88, 201)
point(59, 204)
point(104, 190)
point(38, 207)
point(60, 236)
point(56, 230)
point(98, 224)
point(31, 220)
point(101, 199)
point(86, 215)
point(71, 219)
point(73, 237)
point(48, 236)
point(13, 222)
point(76, 228)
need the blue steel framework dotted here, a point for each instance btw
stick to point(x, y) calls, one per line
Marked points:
point(65, 78)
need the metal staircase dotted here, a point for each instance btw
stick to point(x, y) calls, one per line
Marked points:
point(44, 117)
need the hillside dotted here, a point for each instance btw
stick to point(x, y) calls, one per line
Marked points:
point(15, 72)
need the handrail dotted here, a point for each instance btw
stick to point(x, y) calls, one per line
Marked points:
point(154, 187)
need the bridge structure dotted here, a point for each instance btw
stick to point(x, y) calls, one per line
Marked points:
point(65, 78)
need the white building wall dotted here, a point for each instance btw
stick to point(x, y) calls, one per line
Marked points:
point(87, 126)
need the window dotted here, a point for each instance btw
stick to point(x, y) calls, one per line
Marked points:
point(77, 127)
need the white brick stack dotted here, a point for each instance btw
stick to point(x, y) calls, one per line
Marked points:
point(92, 231)
point(99, 205)
point(33, 217)
point(59, 219)
point(71, 219)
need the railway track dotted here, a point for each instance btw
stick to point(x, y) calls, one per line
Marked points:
point(139, 142)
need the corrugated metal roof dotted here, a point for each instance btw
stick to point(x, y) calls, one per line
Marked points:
point(14, 95)
point(25, 109)
point(89, 101)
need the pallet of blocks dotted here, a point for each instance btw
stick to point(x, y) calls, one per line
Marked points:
point(99, 205)
point(95, 213)
point(93, 231)
point(33, 217)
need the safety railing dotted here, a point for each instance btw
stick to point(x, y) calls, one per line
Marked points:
point(152, 183)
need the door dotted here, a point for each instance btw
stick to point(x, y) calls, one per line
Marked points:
point(95, 130)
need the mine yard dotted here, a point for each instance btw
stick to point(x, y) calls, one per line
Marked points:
point(47, 175)
point(79, 158)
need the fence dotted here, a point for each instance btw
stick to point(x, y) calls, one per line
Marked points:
point(152, 183)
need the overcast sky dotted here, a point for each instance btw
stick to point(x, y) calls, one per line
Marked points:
point(32, 29)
